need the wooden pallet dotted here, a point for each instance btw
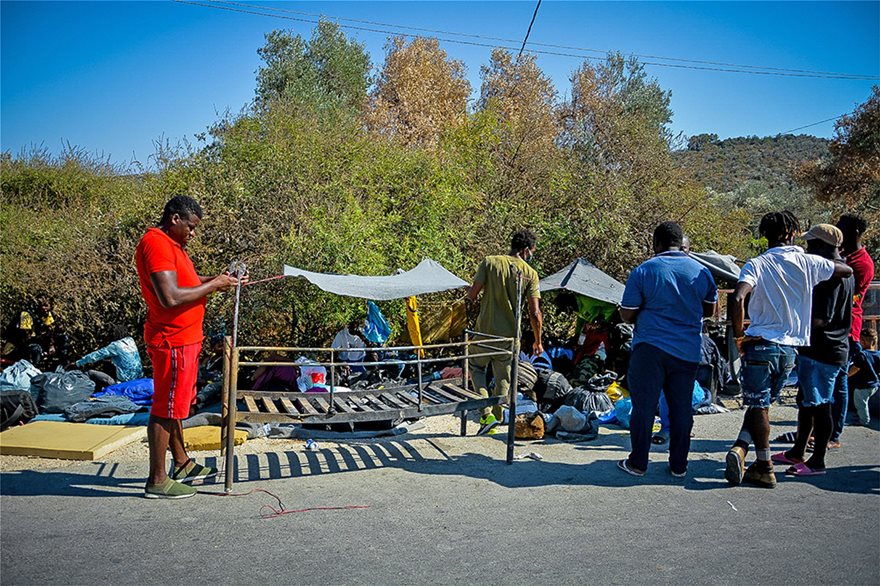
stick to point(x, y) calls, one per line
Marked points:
point(438, 398)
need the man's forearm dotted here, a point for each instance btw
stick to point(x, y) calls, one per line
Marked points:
point(537, 321)
point(737, 318)
point(170, 295)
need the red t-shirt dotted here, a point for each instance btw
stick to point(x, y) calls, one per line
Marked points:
point(863, 272)
point(175, 326)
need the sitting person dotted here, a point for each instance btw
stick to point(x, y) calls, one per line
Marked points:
point(347, 339)
point(122, 352)
point(19, 340)
point(593, 335)
point(864, 376)
point(276, 377)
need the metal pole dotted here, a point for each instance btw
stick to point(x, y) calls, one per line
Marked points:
point(466, 363)
point(224, 409)
point(332, 382)
point(239, 273)
point(421, 382)
point(465, 379)
point(233, 389)
point(230, 422)
point(514, 372)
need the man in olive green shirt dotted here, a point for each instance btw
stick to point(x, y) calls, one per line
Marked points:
point(496, 277)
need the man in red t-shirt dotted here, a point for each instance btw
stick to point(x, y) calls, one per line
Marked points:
point(175, 297)
point(857, 257)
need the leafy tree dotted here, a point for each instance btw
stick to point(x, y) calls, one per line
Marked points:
point(419, 94)
point(329, 68)
point(624, 180)
point(524, 100)
point(849, 180)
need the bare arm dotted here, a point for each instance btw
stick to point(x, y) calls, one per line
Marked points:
point(738, 312)
point(474, 290)
point(842, 270)
point(537, 320)
point(738, 308)
point(171, 295)
point(709, 308)
point(628, 315)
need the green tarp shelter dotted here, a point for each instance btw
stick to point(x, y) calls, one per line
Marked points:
point(598, 294)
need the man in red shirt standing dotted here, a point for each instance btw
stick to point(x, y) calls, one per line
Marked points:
point(175, 296)
point(857, 257)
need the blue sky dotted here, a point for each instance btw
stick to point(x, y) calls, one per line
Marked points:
point(113, 77)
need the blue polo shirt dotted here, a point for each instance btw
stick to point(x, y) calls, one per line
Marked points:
point(669, 290)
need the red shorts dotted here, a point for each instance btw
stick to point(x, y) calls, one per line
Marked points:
point(175, 371)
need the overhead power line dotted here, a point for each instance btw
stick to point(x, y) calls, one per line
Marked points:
point(529, 31)
point(814, 124)
point(759, 69)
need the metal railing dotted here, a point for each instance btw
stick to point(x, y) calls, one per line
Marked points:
point(234, 358)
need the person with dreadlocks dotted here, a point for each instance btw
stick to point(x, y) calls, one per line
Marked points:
point(780, 282)
point(820, 364)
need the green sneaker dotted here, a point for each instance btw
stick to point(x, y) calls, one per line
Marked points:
point(487, 425)
point(190, 472)
point(169, 489)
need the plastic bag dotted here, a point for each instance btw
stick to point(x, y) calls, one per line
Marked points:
point(139, 391)
point(57, 391)
point(616, 392)
point(569, 419)
point(311, 377)
point(701, 397)
point(376, 329)
point(18, 376)
point(623, 410)
point(585, 401)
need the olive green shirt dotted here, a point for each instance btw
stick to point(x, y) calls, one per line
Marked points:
point(497, 275)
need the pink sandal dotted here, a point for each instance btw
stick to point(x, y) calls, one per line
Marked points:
point(781, 458)
point(801, 469)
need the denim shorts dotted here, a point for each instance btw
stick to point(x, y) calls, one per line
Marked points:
point(815, 381)
point(765, 368)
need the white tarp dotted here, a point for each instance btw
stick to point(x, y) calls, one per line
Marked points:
point(722, 266)
point(428, 277)
point(584, 278)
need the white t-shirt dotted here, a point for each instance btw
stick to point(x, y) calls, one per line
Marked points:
point(782, 297)
point(344, 339)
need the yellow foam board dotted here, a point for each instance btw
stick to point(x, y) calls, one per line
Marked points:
point(207, 437)
point(67, 441)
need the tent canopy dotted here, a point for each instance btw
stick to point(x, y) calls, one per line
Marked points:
point(722, 266)
point(584, 278)
point(428, 277)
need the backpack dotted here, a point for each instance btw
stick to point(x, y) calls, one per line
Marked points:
point(526, 378)
point(551, 386)
point(585, 401)
point(16, 407)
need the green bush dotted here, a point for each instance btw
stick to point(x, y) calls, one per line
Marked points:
point(309, 183)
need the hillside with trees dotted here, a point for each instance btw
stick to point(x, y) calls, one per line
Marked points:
point(333, 168)
point(757, 174)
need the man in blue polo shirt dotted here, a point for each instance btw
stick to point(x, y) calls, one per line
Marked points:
point(666, 298)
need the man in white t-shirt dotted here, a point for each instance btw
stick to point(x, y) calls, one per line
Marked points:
point(780, 282)
point(347, 338)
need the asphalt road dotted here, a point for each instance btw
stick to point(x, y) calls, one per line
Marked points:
point(443, 509)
